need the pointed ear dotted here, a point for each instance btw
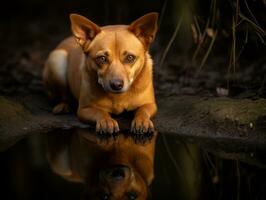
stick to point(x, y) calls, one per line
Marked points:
point(83, 29)
point(145, 28)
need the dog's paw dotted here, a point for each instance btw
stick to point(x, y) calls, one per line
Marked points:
point(142, 129)
point(107, 126)
point(106, 138)
point(61, 108)
point(142, 125)
point(142, 138)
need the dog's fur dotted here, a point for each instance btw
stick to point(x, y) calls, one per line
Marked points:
point(82, 157)
point(108, 70)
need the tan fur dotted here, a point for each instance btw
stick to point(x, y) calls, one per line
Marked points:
point(90, 82)
point(81, 157)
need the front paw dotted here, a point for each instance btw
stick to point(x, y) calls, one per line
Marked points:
point(107, 126)
point(142, 125)
point(142, 129)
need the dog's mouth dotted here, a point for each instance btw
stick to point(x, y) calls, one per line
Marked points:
point(114, 86)
point(116, 92)
point(109, 90)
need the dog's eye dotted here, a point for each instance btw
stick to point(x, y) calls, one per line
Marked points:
point(132, 195)
point(101, 60)
point(130, 58)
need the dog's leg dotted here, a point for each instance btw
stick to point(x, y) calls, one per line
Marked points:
point(55, 78)
point(104, 122)
point(142, 121)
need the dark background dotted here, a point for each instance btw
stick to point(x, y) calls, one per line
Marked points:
point(191, 65)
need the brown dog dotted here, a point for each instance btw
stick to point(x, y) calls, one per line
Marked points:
point(108, 70)
point(115, 169)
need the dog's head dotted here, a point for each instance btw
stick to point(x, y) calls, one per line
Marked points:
point(118, 182)
point(123, 171)
point(117, 53)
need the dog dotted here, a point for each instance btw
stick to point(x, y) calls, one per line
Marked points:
point(108, 70)
point(113, 169)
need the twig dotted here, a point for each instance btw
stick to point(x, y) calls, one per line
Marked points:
point(162, 13)
point(254, 18)
point(213, 12)
point(238, 179)
point(237, 11)
point(243, 45)
point(171, 41)
point(232, 59)
point(258, 28)
point(234, 43)
point(172, 158)
point(197, 26)
point(208, 51)
point(203, 37)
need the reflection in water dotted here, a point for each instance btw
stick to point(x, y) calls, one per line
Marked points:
point(110, 169)
point(182, 170)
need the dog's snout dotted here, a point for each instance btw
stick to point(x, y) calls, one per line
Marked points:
point(116, 84)
point(118, 173)
point(115, 174)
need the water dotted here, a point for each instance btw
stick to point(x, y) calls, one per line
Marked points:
point(182, 170)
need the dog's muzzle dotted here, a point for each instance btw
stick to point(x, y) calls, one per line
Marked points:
point(116, 173)
point(116, 84)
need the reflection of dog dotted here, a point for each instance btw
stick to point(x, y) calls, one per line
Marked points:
point(117, 169)
point(108, 70)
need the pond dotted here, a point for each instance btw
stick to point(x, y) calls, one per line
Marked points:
point(51, 167)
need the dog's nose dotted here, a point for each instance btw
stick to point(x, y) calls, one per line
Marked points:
point(118, 173)
point(115, 173)
point(117, 84)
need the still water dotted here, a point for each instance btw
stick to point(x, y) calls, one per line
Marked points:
point(77, 164)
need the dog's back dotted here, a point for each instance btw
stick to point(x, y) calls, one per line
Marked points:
point(62, 66)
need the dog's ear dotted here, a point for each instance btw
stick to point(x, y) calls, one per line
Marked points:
point(83, 29)
point(145, 28)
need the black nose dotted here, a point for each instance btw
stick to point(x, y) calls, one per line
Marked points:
point(117, 84)
point(118, 173)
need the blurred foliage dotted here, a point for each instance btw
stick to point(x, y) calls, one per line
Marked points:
point(227, 27)
point(230, 28)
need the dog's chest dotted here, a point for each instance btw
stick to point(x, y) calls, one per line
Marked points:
point(120, 106)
